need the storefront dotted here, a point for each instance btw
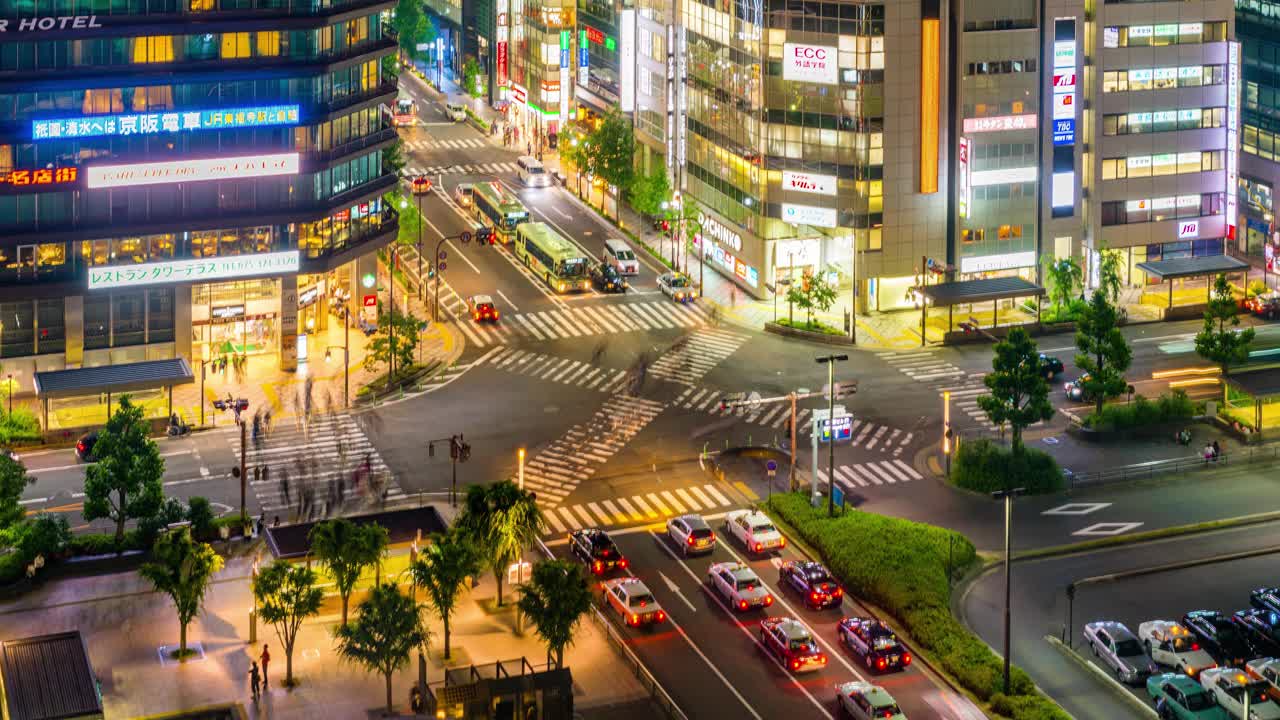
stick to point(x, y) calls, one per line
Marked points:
point(729, 252)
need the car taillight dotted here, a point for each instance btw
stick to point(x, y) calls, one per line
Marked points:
point(742, 604)
point(768, 600)
point(635, 619)
point(597, 566)
point(623, 563)
point(495, 314)
point(881, 663)
point(782, 542)
point(813, 596)
point(475, 315)
point(1195, 646)
point(822, 659)
point(691, 540)
point(795, 664)
point(80, 446)
point(906, 658)
point(759, 547)
point(838, 592)
point(661, 616)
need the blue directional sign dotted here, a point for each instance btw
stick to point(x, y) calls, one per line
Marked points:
point(1064, 132)
point(843, 426)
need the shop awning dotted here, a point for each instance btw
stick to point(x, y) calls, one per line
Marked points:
point(1193, 267)
point(1258, 383)
point(129, 377)
point(974, 291)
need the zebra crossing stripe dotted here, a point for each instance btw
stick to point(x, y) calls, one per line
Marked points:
point(657, 502)
point(702, 496)
point(644, 507)
point(613, 510)
point(570, 520)
point(717, 494)
point(630, 509)
point(843, 471)
point(687, 498)
point(679, 506)
point(528, 326)
point(910, 471)
point(600, 516)
point(587, 520)
point(864, 472)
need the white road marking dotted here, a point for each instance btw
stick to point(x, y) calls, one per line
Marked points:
point(504, 297)
point(1107, 529)
point(1076, 509)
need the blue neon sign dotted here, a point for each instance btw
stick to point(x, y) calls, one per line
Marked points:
point(1064, 132)
point(164, 122)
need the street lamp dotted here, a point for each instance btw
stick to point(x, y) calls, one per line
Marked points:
point(830, 361)
point(1007, 495)
point(520, 455)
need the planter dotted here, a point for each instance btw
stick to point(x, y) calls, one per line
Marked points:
point(1145, 432)
point(809, 335)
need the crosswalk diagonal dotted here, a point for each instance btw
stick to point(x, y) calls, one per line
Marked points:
point(635, 509)
point(876, 473)
point(699, 352)
point(582, 321)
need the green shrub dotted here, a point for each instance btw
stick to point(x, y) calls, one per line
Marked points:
point(984, 466)
point(93, 544)
point(12, 568)
point(19, 426)
point(902, 567)
point(1142, 412)
point(46, 534)
point(149, 528)
point(816, 326)
point(200, 515)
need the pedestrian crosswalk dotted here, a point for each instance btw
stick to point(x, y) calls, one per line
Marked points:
point(577, 321)
point(868, 474)
point(964, 398)
point(447, 143)
point(556, 470)
point(459, 169)
point(557, 369)
point(311, 469)
point(921, 365)
point(637, 509)
point(697, 354)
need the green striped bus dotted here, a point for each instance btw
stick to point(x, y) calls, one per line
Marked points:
point(560, 264)
point(498, 209)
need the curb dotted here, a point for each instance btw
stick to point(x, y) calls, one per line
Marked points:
point(1177, 531)
point(1111, 684)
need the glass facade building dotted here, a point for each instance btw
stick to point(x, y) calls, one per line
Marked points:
point(128, 139)
point(1258, 29)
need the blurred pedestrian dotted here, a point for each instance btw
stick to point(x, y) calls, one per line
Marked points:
point(255, 680)
point(265, 658)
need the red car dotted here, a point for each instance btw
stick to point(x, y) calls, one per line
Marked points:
point(482, 308)
point(792, 643)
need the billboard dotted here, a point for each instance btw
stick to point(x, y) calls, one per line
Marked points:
point(1063, 91)
point(809, 183)
point(231, 267)
point(175, 171)
point(1233, 136)
point(164, 122)
point(810, 63)
point(963, 180)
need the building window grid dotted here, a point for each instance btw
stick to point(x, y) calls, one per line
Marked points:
point(1118, 36)
point(1140, 166)
point(1163, 121)
point(1163, 78)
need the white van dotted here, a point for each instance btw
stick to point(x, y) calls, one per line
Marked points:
point(456, 112)
point(621, 257)
point(532, 173)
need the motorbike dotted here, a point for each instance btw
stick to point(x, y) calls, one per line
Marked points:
point(240, 404)
point(177, 428)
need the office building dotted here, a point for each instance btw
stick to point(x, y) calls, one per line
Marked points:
point(1258, 30)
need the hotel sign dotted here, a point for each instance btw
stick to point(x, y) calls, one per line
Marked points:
point(160, 173)
point(45, 24)
point(166, 122)
point(200, 270)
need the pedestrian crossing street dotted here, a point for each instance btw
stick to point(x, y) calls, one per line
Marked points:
point(921, 365)
point(646, 508)
point(697, 354)
point(862, 475)
point(556, 470)
point(310, 458)
point(865, 434)
point(411, 171)
point(577, 321)
point(434, 143)
point(558, 369)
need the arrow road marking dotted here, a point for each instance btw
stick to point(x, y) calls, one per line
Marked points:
point(673, 587)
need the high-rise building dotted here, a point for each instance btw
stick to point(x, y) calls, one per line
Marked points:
point(541, 79)
point(187, 177)
point(1258, 29)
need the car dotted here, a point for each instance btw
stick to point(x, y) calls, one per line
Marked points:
point(677, 286)
point(1117, 648)
point(1178, 697)
point(1075, 389)
point(1266, 305)
point(864, 701)
point(754, 530)
point(595, 548)
point(606, 278)
point(12, 455)
point(482, 308)
point(1219, 637)
point(788, 640)
point(874, 642)
point(691, 534)
point(1172, 645)
point(630, 598)
point(85, 445)
point(1051, 366)
point(1228, 685)
point(464, 194)
point(1266, 598)
point(738, 585)
point(812, 581)
point(456, 112)
point(1261, 629)
point(1268, 671)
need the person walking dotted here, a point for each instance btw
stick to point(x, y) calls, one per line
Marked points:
point(255, 681)
point(265, 658)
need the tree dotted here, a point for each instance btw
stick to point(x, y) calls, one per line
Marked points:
point(500, 520)
point(1019, 392)
point(441, 570)
point(1065, 278)
point(1219, 341)
point(182, 570)
point(813, 292)
point(412, 28)
point(555, 600)
point(471, 72)
point(613, 150)
point(1104, 353)
point(386, 342)
point(286, 595)
point(393, 157)
point(13, 480)
point(1109, 274)
point(388, 626)
point(650, 192)
point(345, 549)
point(124, 483)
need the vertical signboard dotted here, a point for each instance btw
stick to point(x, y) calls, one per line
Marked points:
point(584, 59)
point(501, 8)
point(565, 53)
point(1063, 96)
point(627, 60)
point(962, 182)
point(1233, 135)
point(930, 93)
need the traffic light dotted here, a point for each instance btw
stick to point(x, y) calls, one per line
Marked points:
point(666, 226)
point(464, 452)
point(484, 235)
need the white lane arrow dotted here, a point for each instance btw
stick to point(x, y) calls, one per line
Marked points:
point(673, 587)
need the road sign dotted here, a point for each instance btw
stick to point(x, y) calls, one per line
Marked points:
point(465, 236)
point(843, 425)
point(837, 495)
point(444, 254)
point(772, 467)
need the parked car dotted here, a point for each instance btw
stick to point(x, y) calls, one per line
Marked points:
point(1173, 645)
point(1268, 671)
point(85, 445)
point(1118, 649)
point(1178, 697)
point(1261, 629)
point(738, 585)
point(1219, 636)
point(1229, 686)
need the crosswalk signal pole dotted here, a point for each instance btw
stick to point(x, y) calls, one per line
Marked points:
point(830, 361)
point(243, 478)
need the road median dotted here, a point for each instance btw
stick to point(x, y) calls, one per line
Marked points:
point(1148, 536)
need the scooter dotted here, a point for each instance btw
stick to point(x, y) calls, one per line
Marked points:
point(177, 428)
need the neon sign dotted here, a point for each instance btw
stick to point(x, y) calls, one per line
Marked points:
point(159, 173)
point(43, 176)
point(166, 122)
point(202, 270)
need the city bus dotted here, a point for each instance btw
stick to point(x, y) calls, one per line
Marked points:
point(560, 264)
point(498, 209)
point(405, 112)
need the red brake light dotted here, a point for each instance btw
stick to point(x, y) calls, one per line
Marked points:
point(782, 542)
point(813, 596)
point(1195, 646)
point(80, 445)
point(691, 540)
point(880, 663)
point(661, 616)
point(623, 563)
point(795, 664)
point(742, 604)
point(906, 658)
point(759, 547)
point(768, 599)
point(597, 566)
point(837, 593)
point(635, 619)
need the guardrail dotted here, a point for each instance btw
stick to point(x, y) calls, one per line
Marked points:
point(1173, 466)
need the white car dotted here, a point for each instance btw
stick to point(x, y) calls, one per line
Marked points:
point(755, 530)
point(1228, 686)
point(1267, 670)
point(1172, 645)
point(677, 286)
point(865, 701)
point(456, 112)
point(691, 534)
point(1119, 650)
point(464, 194)
point(739, 586)
point(631, 599)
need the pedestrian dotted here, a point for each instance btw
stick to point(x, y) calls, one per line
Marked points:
point(265, 658)
point(266, 474)
point(284, 486)
point(262, 523)
point(255, 680)
point(1217, 450)
point(342, 490)
point(1208, 452)
point(275, 522)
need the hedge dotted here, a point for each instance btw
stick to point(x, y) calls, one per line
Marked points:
point(983, 466)
point(1142, 412)
point(902, 567)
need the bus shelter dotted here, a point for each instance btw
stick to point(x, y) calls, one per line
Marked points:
point(1195, 267)
point(971, 292)
point(1252, 399)
point(151, 380)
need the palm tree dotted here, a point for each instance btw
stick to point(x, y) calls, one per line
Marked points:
point(388, 626)
point(182, 570)
point(442, 570)
point(345, 550)
point(555, 599)
point(501, 520)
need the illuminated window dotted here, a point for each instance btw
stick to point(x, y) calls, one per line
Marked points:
point(200, 5)
point(236, 45)
point(152, 49)
point(269, 43)
point(98, 102)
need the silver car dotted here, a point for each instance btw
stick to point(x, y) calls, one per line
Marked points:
point(1119, 650)
point(739, 586)
point(691, 534)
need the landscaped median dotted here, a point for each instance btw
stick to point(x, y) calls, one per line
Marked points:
point(901, 566)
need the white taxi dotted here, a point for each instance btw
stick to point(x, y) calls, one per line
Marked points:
point(865, 701)
point(1172, 645)
point(739, 586)
point(631, 599)
point(1229, 685)
point(1267, 670)
point(754, 530)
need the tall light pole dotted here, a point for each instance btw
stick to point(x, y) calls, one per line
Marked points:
point(830, 361)
point(520, 455)
point(1007, 495)
point(421, 186)
point(946, 429)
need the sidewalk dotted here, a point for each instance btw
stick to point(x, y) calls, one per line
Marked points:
point(125, 624)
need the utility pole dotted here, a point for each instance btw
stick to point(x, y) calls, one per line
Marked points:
point(1007, 495)
point(243, 479)
point(391, 319)
point(830, 361)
